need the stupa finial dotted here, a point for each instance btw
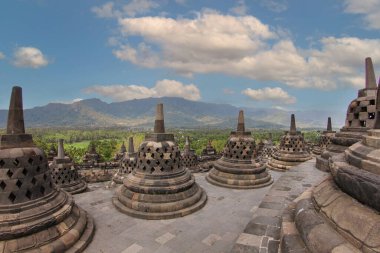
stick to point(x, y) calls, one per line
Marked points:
point(241, 125)
point(329, 125)
point(131, 148)
point(293, 128)
point(61, 151)
point(377, 120)
point(370, 79)
point(15, 114)
point(159, 125)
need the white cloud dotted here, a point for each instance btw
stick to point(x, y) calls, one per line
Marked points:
point(163, 88)
point(272, 94)
point(240, 9)
point(131, 9)
point(370, 9)
point(243, 46)
point(29, 57)
point(228, 91)
point(75, 100)
point(106, 11)
point(181, 2)
point(275, 5)
point(2, 55)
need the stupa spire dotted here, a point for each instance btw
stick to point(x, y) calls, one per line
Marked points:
point(293, 128)
point(61, 151)
point(329, 125)
point(370, 79)
point(377, 120)
point(15, 123)
point(241, 125)
point(131, 148)
point(159, 126)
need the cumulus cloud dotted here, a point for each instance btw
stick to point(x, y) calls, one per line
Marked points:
point(275, 5)
point(131, 9)
point(272, 94)
point(240, 9)
point(242, 46)
point(29, 57)
point(163, 88)
point(2, 55)
point(370, 9)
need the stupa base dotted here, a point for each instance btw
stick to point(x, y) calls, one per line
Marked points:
point(167, 206)
point(281, 165)
point(75, 188)
point(325, 219)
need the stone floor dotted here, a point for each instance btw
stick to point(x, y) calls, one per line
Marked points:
point(214, 228)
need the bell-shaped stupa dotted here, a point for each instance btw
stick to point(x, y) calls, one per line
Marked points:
point(268, 149)
point(324, 139)
point(119, 156)
point(360, 118)
point(189, 158)
point(64, 174)
point(91, 157)
point(291, 151)
point(34, 215)
point(52, 153)
point(127, 163)
point(159, 187)
point(237, 168)
point(342, 214)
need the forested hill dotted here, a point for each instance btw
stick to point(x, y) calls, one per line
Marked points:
point(179, 113)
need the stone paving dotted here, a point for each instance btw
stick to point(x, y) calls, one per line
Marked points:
point(262, 233)
point(214, 228)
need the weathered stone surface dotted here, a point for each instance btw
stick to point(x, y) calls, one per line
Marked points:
point(324, 139)
point(237, 168)
point(34, 215)
point(159, 187)
point(189, 158)
point(127, 163)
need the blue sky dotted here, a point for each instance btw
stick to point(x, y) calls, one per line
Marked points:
point(299, 54)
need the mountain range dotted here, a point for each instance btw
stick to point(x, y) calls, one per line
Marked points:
point(179, 113)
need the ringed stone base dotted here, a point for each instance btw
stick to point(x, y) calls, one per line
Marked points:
point(52, 224)
point(75, 188)
point(283, 163)
point(239, 175)
point(328, 220)
point(143, 197)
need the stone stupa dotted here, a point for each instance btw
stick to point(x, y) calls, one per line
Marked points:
point(237, 168)
point(268, 150)
point(64, 174)
point(52, 153)
point(209, 153)
point(119, 156)
point(127, 163)
point(360, 118)
point(342, 214)
point(291, 151)
point(91, 157)
point(189, 158)
point(324, 139)
point(159, 187)
point(34, 215)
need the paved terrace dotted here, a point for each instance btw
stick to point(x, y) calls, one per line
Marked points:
point(215, 228)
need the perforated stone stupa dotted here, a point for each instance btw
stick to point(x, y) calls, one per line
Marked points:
point(127, 163)
point(159, 187)
point(268, 149)
point(64, 174)
point(237, 168)
point(209, 153)
point(360, 118)
point(324, 139)
point(119, 156)
point(34, 215)
point(52, 153)
point(291, 151)
point(189, 158)
point(91, 157)
point(342, 214)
